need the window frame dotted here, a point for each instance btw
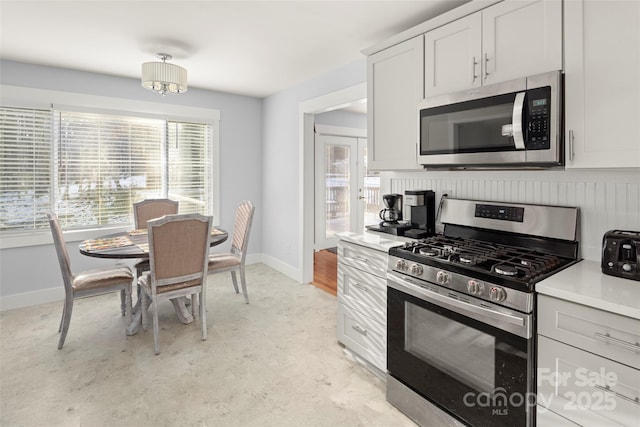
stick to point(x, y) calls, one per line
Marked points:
point(23, 97)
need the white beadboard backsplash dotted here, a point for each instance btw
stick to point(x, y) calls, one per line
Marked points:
point(608, 199)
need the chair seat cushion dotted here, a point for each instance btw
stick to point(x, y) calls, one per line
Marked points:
point(217, 261)
point(101, 277)
point(145, 282)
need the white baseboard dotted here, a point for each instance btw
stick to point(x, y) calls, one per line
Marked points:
point(283, 268)
point(253, 259)
point(26, 299)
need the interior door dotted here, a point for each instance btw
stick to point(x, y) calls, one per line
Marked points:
point(338, 187)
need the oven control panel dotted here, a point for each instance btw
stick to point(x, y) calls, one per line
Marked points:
point(504, 213)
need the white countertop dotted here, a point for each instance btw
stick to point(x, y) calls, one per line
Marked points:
point(584, 283)
point(374, 240)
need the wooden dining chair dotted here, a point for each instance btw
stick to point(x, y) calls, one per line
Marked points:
point(145, 211)
point(87, 283)
point(178, 256)
point(234, 260)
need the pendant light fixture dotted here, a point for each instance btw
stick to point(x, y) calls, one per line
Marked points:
point(163, 77)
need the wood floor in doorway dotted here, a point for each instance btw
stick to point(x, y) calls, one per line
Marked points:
point(325, 271)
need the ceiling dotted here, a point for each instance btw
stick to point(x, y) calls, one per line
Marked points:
point(253, 48)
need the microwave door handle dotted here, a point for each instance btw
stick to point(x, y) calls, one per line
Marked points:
point(518, 134)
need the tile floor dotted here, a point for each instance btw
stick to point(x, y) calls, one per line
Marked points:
point(274, 362)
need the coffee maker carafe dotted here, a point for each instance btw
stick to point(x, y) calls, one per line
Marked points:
point(393, 212)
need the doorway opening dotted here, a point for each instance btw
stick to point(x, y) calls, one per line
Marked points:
point(307, 111)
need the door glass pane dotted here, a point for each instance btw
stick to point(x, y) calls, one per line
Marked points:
point(371, 194)
point(337, 176)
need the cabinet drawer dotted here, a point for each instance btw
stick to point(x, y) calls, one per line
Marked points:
point(363, 335)
point(610, 335)
point(364, 292)
point(585, 388)
point(362, 258)
point(547, 418)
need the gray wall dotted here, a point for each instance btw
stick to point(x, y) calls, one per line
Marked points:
point(281, 171)
point(241, 166)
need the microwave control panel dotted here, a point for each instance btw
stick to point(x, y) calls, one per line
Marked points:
point(538, 116)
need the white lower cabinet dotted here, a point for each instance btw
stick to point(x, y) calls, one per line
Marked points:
point(586, 388)
point(363, 335)
point(547, 418)
point(588, 363)
point(362, 303)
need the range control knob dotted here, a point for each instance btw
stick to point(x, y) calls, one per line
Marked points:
point(498, 294)
point(473, 286)
point(401, 265)
point(442, 277)
point(416, 269)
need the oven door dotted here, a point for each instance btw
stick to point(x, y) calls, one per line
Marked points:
point(473, 359)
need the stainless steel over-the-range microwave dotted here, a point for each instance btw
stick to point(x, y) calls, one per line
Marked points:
point(510, 124)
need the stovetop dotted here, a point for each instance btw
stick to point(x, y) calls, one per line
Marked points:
point(511, 266)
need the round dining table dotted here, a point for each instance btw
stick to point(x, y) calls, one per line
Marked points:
point(134, 244)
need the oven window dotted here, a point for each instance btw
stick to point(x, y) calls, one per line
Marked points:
point(460, 351)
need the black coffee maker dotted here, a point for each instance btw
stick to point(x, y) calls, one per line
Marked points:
point(393, 211)
point(390, 216)
point(421, 205)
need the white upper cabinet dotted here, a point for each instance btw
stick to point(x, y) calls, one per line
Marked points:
point(511, 39)
point(395, 84)
point(602, 84)
point(452, 55)
point(521, 38)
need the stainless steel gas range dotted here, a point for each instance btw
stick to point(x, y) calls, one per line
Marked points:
point(461, 311)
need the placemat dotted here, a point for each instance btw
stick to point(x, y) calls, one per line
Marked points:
point(137, 232)
point(106, 243)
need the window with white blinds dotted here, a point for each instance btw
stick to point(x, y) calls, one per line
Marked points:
point(25, 168)
point(93, 167)
point(189, 166)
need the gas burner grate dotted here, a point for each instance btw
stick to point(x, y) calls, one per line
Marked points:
point(496, 259)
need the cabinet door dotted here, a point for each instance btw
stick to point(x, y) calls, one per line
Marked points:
point(607, 334)
point(521, 38)
point(452, 55)
point(363, 335)
point(602, 84)
point(364, 292)
point(395, 84)
point(585, 388)
point(366, 259)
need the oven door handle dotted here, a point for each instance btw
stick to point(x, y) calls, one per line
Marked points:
point(469, 310)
